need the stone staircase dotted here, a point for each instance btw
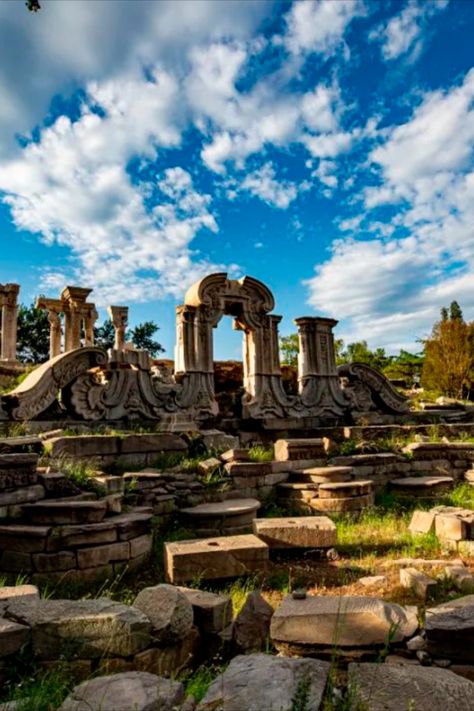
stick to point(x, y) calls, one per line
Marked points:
point(320, 488)
point(78, 537)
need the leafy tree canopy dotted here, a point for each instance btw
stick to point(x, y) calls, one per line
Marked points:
point(32, 334)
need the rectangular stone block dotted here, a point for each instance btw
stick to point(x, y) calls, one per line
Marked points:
point(101, 555)
point(422, 522)
point(248, 469)
point(296, 532)
point(214, 558)
point(212, 612)
point(12, 637)
point(83, 629)
point(450, 528)
point(21, 496)
point(19, 538)
point(419, 582)
point(17, 470)
point(145, 443)
point(48, 562)
point(82, 446)
point(235, 455)
point(141, 546)
point(297, 449)
point(87, 534)
point(133, 524)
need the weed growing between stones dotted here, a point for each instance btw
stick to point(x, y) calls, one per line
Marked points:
point(301, 697)
point(39, 690)
point(82, 473)
point(197, 683)
point(259, 453)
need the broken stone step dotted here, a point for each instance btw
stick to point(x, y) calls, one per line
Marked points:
point(469, 476)
point(322, 475)
point(340, 505)
point(215, 558)
point(295, 449)
point(53, 511)
point(23, 444)
point(422, 486)
point(340, 490)
point(299, 491)
point(296, 532)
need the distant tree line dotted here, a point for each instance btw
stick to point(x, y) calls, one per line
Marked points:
point(33, 335)
point(444, 366)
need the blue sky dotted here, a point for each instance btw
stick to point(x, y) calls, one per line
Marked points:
point(324, 147)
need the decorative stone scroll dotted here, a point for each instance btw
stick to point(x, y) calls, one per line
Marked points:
point(127, 388)
point(369, 390)
point(9, 311)
point(41, 387)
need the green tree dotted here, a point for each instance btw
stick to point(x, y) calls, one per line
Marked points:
point(455, 312)
point(449, 355)
point(405, 366)
point(32, 334)
point(289, 349)
point(359, 352)
point(142, 337)
point(104, 335)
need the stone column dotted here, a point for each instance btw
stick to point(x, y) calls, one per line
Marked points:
point(265, 395)
point(185, 351)
point(316, 340)
point(119, 317)
point(89, 321)
point(317, 373)
point(55, 333)
point(74, 298)
point(8, 297)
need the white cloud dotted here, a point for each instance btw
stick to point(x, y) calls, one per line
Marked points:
point(319, 25)
point(73, 188)
point(68, 44)
point(262, 183)
point(404, 32)
point(392, 288)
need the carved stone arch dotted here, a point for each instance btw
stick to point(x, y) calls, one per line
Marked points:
point(248, 301)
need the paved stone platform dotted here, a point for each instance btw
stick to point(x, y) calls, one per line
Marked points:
point(296, 532)
point(214, 558)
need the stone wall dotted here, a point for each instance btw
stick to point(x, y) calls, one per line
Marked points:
point(421, 459)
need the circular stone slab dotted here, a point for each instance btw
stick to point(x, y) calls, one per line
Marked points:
point(230, 507)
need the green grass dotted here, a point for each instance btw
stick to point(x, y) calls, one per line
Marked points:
point(40, 691)
point(259, 453)
point(197, 683)
point(82, 473)
point(379, 532)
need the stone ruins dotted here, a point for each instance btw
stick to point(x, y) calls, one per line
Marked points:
point(81, 382)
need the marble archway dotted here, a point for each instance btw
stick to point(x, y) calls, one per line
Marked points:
point(249, 302)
